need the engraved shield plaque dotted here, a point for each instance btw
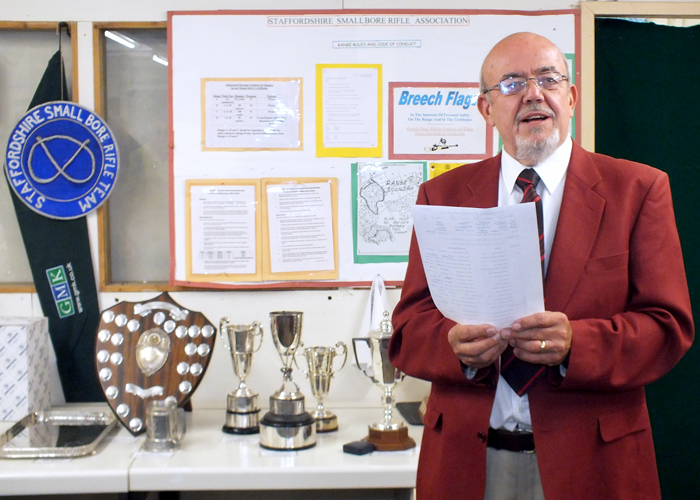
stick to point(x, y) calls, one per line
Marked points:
point(150, 350)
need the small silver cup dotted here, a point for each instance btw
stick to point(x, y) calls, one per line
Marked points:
point(320, 361)
point(165, 426)
point(242, 411)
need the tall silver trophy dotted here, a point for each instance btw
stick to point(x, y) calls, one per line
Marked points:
point(321, 361)
point(242, 411)
point(388, 434)
point(287, 426)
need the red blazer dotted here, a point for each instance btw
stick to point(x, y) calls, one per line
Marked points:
point(616, 271)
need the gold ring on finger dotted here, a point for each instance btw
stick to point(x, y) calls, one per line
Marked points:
point(543, 345)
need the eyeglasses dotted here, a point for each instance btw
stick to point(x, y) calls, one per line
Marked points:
point(516, 84)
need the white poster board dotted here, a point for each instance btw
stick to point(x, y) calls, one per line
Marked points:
point(285, 51)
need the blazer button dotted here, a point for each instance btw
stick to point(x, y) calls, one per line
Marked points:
point(481, 436)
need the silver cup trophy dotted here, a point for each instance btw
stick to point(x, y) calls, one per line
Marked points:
point(388, 434)
point(320, 361)
point(287, 426)
point(242, 411)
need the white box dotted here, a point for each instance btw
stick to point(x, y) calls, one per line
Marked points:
point(24, 366)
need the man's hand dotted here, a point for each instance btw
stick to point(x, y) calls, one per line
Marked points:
point(477, 346)
point(542, 338)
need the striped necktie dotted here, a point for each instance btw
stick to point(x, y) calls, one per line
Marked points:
point(518, 373)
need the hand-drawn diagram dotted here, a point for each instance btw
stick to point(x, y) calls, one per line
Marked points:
point(385, 194)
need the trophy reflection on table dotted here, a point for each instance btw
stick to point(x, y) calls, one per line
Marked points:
point(320, 361)
point(287, 426)
point(387, 434)
point(242, 411)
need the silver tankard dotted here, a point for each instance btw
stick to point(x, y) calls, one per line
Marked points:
point(165, 425)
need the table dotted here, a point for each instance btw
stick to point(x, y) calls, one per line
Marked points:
point(106, 471)
point(212, 461)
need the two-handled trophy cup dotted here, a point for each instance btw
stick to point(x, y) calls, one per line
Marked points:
point(320, 361)
point(242, 411)
point(387, 434)
point(287, 426)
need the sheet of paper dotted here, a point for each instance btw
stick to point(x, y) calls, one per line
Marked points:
point(243, 114)
point(300, 218)
point(482, 265)
point(385, 190)
point(223, 229)
point(350, 104)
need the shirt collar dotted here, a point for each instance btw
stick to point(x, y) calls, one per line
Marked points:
point(551, 171)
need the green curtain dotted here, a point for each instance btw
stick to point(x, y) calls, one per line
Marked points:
point(648, 110)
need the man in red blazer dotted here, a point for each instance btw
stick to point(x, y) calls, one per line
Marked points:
point(617, 315)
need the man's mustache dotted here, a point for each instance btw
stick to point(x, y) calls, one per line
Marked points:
point(530, 108)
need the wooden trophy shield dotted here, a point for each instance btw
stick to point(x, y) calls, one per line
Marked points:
point(150, 350)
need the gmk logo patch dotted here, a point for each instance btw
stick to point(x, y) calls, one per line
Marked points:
point(62, 160)
point(60, 289)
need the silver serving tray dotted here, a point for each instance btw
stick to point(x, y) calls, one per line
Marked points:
point(58, 433)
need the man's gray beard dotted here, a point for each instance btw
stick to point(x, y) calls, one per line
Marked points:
point(532, 152)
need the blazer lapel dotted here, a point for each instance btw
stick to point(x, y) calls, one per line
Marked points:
point(481, 191)
point(577, 228)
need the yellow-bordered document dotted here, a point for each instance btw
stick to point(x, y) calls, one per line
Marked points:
point(349, 110)
point(436, 169)
point(223, 230)
point(252, 114)
point(252, 230)
point(301, 237)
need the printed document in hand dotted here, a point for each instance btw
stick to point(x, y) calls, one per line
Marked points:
point(482, 264)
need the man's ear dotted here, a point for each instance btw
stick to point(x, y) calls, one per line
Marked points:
point(485, 109)
point(573, 98)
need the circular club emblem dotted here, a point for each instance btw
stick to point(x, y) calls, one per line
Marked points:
point(62, 160)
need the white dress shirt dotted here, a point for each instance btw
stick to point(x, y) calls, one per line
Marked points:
point(510, 410)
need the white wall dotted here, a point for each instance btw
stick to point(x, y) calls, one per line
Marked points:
point(329, 315)
point(156, 10)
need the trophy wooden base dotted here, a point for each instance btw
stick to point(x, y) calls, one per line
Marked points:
point(390, 440)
